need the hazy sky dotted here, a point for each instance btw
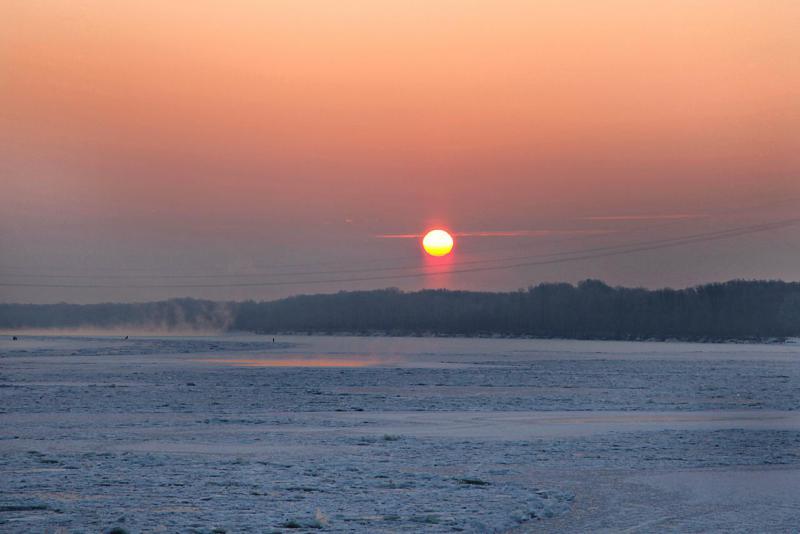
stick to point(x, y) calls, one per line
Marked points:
point(144, 141)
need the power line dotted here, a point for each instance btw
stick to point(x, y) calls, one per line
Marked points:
point(586, 254)
point(293, 272)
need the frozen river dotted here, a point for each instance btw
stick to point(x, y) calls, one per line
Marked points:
point(236, 433)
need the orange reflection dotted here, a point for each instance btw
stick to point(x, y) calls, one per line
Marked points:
point(296, 362)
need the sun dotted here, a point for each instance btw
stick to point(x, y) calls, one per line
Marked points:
point(437, 243)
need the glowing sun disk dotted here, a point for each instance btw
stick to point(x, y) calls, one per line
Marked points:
point(437, 243)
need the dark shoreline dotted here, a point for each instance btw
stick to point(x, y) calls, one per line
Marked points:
point(424, 335)
point(57, 332)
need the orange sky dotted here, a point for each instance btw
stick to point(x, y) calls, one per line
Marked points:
point(228, 136)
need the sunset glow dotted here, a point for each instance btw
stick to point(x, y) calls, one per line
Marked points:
point(315, 264)
point(141, 141)
point(295, 362)
point(437, 243)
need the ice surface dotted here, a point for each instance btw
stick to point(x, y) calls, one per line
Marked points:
point(178, 434)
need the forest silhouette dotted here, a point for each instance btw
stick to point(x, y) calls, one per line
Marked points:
point(742, 310)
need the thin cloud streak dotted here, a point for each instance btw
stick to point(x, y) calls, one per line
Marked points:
point(661, 217)
point(503, 233)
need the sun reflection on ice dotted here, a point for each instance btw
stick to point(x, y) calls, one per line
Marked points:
point(322, 361)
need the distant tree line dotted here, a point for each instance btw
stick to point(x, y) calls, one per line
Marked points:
point(588, 310)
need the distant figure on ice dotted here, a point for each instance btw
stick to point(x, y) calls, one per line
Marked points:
point(273, 339)
point(126, 338)
point(15, 338)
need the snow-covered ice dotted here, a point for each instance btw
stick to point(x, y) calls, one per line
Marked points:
point(340, 434)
